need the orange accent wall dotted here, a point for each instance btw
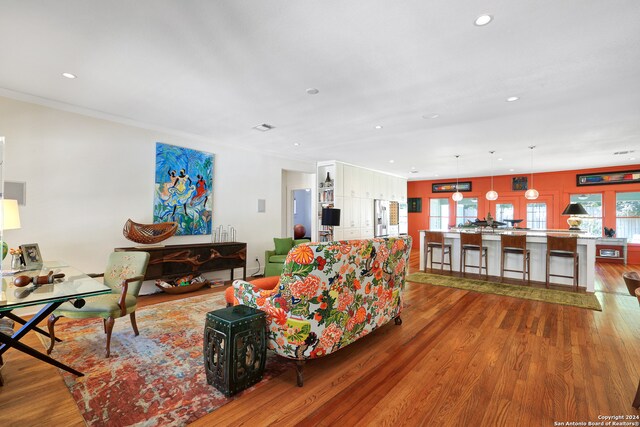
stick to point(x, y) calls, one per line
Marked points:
point(555, 189)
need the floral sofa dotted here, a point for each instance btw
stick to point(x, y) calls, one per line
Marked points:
point(330, 294)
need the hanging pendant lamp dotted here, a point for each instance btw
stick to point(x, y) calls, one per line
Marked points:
point(492, 194)
point(457, 196)
point(531, 193)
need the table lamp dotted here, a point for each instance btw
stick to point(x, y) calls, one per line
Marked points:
point(10, 220)
point(575, 211)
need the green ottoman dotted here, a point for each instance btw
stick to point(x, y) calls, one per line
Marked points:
point(235, 348)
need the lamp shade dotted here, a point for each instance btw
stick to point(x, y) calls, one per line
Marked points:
point(330, 216)
point(575, 209)
point(10, 214)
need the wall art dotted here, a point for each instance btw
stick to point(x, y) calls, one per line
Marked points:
point(184, 189)
point(604, 178)
point(450, 187)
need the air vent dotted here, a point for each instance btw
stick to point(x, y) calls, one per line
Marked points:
point(621, 153)
point(413, 171)
point(264, 127)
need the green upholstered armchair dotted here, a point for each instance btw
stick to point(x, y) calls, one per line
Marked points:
point(124, 274)
point(274, 259)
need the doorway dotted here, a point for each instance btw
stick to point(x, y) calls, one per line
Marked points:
point(301, 213)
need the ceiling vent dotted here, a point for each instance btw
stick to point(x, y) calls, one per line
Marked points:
point(621, 153)
point(264, 127)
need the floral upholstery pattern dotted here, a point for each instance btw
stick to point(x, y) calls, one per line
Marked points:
point(331, 294)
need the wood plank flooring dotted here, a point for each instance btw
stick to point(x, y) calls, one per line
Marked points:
point(459, 358)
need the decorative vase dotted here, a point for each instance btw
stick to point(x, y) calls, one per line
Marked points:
point(16, 262)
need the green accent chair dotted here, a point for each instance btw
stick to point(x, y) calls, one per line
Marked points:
point(124, 275)
point(274, 259)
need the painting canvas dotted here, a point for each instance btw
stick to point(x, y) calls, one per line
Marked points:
point(622, 177)
point(450, 187)
point(519, 183)
point(184, 189)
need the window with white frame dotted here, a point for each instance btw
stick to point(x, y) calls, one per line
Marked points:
point(439, 214)
point(467, 210)
point(504, 211)
point(592, 203)
point(628, 216)
point(537, 216)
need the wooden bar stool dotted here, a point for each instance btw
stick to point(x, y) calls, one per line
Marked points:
point(473, 242)
point(563, 247)
point(516, 244)
point(435, 240)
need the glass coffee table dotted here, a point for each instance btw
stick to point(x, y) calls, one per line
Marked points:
point(74, 287)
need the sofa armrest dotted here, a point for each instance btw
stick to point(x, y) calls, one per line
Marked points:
point(267, 255)
point(247, 294)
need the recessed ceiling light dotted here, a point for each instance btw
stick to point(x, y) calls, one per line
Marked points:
point(512, 98)
point(392, 161)
point(500, 159)
point(431, 116)
point(511, 170)
point(483, 20)
point(413, 167)
point(435, 174)
point(296, 144)
point(312, 91)
point(378, 127)
point(632, 158)
point(264, 127)
point(69, 75)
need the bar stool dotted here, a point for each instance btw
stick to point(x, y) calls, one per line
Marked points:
point(473, 242)
point(516, 244)
point(563, 247)
point(435, 240)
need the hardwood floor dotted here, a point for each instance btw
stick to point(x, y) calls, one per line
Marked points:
point(459, 358)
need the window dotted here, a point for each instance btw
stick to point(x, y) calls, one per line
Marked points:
point(504, 211)
point(537, 216)
point(593, 205)
point(439, 214)
point(628, 216)
point(467, 210)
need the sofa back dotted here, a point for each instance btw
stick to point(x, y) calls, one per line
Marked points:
point(330, 294)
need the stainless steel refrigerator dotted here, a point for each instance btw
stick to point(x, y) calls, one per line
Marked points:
point(381, 218)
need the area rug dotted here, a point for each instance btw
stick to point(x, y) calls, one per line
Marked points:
point(525, 292)
point(156, 378)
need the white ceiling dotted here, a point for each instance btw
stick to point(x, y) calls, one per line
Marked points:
point(217, 68)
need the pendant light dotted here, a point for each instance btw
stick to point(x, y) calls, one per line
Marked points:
point(457, 196)
point(492, 194)
point(531, 193)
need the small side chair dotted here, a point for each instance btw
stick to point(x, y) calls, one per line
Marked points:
point(124, 274)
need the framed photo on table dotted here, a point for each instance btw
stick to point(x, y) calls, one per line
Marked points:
point(31, 256)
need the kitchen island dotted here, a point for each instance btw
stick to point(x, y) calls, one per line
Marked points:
point(537, 245)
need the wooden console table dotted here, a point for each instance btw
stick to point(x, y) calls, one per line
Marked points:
point(175, 260)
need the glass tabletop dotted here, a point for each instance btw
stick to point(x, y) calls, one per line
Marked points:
point(74, 284)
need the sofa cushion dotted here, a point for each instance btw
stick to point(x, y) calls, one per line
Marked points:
point(278, 259)
point(283, 245)
point(300, 241)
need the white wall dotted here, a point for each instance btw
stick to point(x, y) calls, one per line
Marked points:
point(86, 176)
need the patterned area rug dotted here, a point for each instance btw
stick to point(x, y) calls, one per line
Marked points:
point(156, 378)
point(575, 299)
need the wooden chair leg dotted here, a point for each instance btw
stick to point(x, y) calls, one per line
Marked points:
point(109, 323)
point(104, 325)
point(636, 400)
point(442, 258)
point(299, 373)
point(450, 262)
point(462, 260)
point(501, 265)
point(546, 272)
point(577, 271)
point(398, 320)
point(528, 269)
point(134, 325)
point(480, 261)
point(524, 266)
point(51, 324)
